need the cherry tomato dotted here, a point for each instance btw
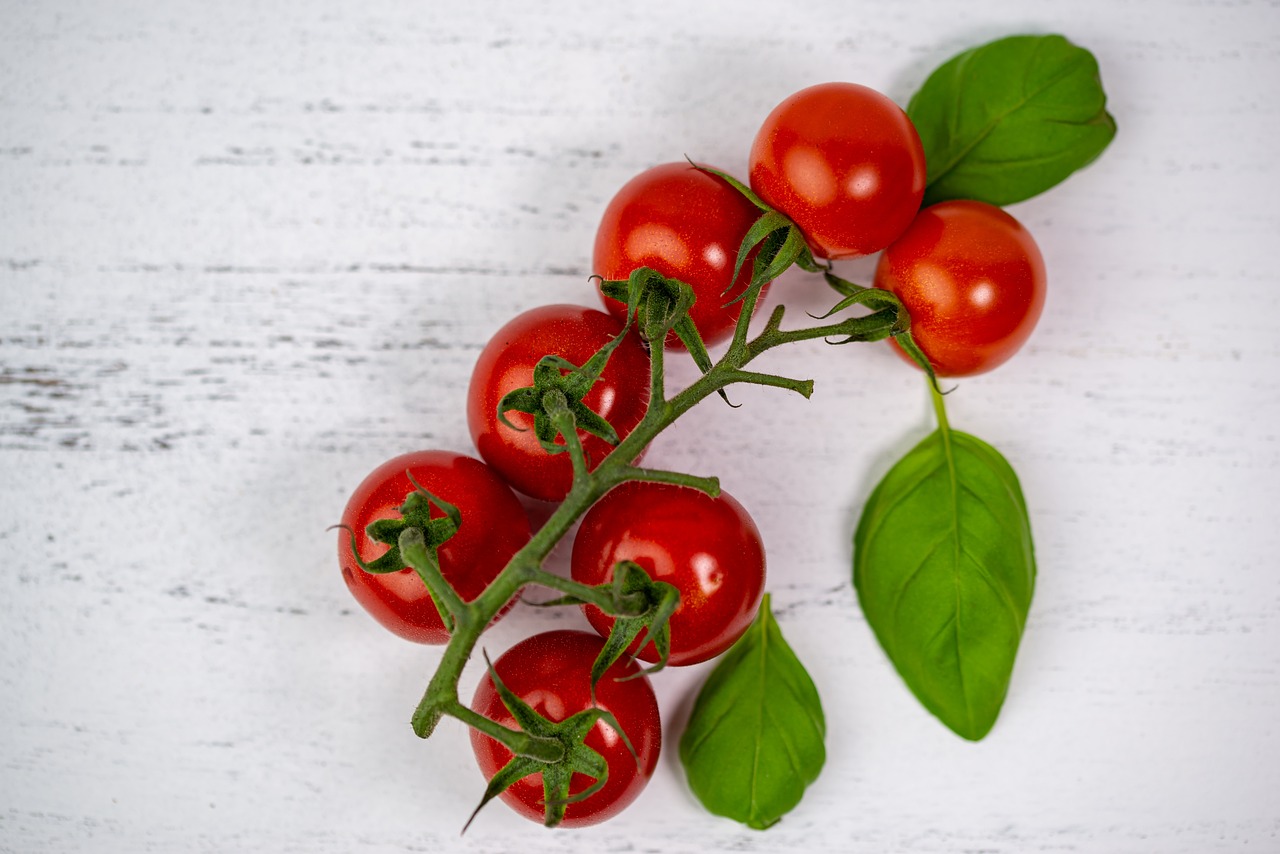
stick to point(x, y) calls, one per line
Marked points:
point(552, 673)
point(506, 363)
point(494, 527)
point(973, 281)
point(844, 163)
point(709, 548)
point(686, 224)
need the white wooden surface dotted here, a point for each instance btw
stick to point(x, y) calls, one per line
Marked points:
point(248, 250)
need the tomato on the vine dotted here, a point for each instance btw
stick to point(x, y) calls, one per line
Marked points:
point(494, 527)
point(708, 548)
point(688, 225)
point(973, 281)
point(552, 673)
point(844, 163)
point(620, 395)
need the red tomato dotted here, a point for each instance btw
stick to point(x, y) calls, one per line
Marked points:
point(552, 673)
point(973, 281)
point(494, 527)
point(506, 363)
point(844, 163)
point(688, 225)
point(708, 548)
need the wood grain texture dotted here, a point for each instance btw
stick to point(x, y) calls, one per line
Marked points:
point(250, 250)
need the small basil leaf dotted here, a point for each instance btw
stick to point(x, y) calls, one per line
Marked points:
point(1008, 120)
point(944, 569)
point(755, 737)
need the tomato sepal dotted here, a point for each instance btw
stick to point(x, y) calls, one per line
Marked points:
point(414, 540)
point(574, 756)
point(639, 604)
point(414, 513)
point(661, 600)
point(781, 245)
point(555, 378)
point(909, 346)
point(555, 375)
point(881, 300)
point(781, 242)
point(660, 305)
point(742, 188)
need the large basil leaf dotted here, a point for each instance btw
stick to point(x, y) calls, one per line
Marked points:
point(1008, 120)
point(755, 737)
point(944, 569)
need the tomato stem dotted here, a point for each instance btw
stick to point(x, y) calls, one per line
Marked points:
point(562, 419)
point(414, 551)
point(737, 346)
point(657, 373)
point(603, 596)
point(802, 387)
point(518, 742)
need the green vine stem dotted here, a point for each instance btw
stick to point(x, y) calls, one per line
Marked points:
point(940, 409)
point(525, 568)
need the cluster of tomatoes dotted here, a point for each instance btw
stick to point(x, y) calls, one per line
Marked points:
point(845, 165)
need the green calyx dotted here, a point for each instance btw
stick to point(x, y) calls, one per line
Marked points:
point(555, 749)
point(415, 513)
point(883, 302)
point(660, 306)
point(780, 241)
point(655, 601)
point(555, 400)
point(638, 604)
point(414, 541)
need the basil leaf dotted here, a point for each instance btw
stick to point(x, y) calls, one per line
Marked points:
point(944, 568)
point(1008, 120)
point(754, 740)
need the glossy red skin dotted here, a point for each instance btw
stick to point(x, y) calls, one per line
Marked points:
point(973, 281)
point(688, 225)
point(494, 527)
point(709, 548)
point(844, 163)
point(506, 364)
point(552, 673)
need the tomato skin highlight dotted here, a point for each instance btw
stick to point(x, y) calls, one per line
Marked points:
point(621, 394)
point(708, 548)
point(973, 281)
point(494, 527)
point(688, 225)
point(551, 672)
point(844, 163)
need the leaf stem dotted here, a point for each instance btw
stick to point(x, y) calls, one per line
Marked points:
point(939, 409)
